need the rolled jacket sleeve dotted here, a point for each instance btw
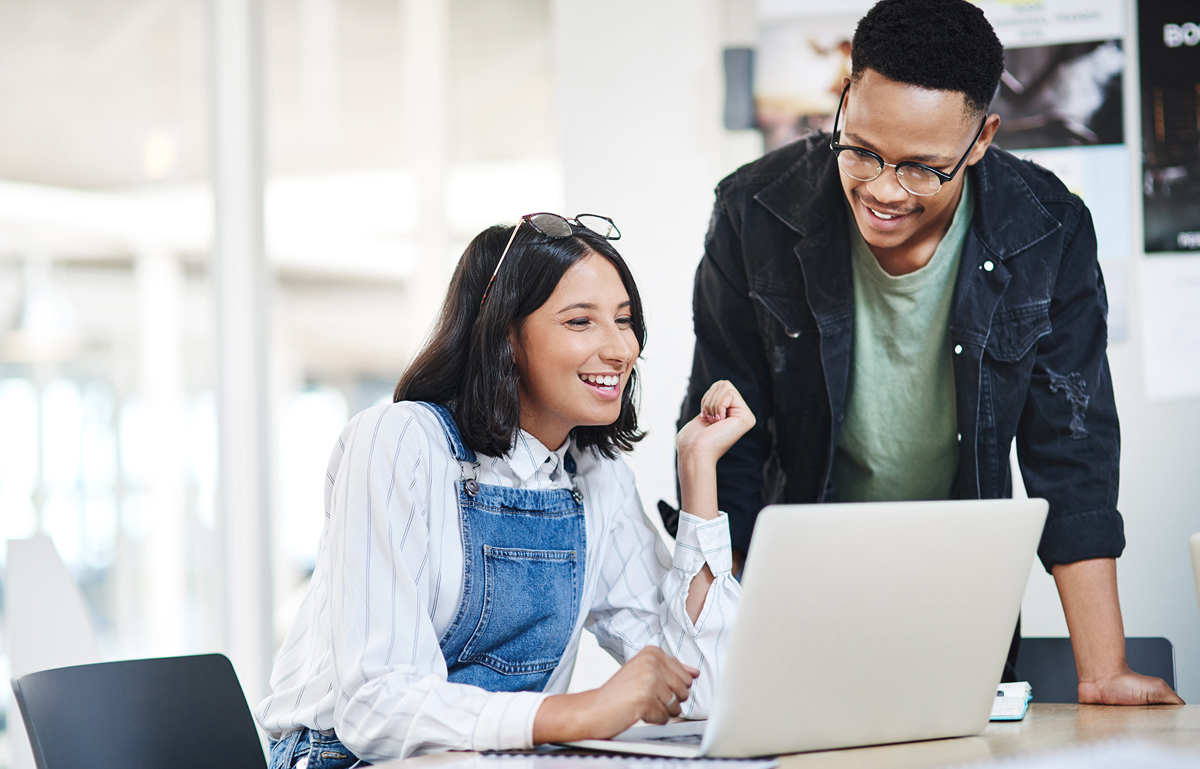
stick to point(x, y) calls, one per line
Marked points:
point(1068, 439)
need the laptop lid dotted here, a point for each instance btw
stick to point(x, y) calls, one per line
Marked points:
point(872, 623)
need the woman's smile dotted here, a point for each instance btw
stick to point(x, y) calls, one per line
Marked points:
point(607, 386)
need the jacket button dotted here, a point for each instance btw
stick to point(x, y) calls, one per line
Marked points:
point(988, 266)
point(958, 349)
point(793, 333)
point(960, 436)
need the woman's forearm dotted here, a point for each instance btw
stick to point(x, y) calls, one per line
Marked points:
point(723, 419)
point(698, 486)
point(698, 496)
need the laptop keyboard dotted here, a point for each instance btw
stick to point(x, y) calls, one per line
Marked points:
point(678, 739)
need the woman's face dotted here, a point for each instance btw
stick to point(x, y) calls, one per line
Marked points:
point(575, 353)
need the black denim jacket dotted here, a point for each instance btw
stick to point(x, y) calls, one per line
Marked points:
point(774, 314)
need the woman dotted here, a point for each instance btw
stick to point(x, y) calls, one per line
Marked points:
point(478, 524)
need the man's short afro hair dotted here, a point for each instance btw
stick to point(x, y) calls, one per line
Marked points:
point(946, 45)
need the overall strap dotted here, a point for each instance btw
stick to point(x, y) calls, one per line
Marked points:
point(460, 452)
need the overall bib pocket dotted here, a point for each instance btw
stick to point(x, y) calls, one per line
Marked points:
point(529, 607)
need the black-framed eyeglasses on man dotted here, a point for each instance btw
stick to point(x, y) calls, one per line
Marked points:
point(865, 166)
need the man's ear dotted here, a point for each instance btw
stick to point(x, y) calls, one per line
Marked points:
point(985, 139)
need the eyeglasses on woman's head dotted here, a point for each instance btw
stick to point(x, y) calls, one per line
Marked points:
point(557, 226)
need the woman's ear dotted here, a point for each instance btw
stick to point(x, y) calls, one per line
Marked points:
point(516, 349)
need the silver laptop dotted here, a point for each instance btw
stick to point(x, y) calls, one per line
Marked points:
point(863, 624)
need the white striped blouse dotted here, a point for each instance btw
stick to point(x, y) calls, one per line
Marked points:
point(362, 657)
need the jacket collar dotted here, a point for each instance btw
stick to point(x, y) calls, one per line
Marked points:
point(1008, 216)
point(807, 198)
point(808, 192)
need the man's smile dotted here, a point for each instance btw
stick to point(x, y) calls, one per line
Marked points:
point(884, 218)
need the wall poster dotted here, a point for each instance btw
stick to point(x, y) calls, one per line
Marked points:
point(1169, 52)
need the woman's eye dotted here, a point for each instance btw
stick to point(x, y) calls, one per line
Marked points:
point(579, 322)
point(625, 320)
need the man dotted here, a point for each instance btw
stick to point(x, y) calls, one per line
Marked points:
point(899, 301)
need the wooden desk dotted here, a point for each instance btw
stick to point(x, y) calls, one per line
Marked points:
point(1046, 727)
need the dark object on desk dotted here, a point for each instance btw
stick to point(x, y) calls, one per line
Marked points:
point(178, 712)
point(1048, 664)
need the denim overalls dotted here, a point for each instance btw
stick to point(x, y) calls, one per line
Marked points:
point(523, 567)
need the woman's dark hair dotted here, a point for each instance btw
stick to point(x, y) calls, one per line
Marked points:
point(469, 365)
point(945, 45)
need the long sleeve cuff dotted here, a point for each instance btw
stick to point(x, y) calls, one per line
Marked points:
point(506, 721)
point(701, 541)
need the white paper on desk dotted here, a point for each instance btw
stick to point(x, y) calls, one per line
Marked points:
point(1170, 306)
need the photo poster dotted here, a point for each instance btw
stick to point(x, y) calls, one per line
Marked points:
point(1060, 100)
point(1169, 53)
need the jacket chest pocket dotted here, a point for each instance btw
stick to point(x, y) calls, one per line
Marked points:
point(784, 321)
point(1015, 331)
point(529, 609)
point(789, 312)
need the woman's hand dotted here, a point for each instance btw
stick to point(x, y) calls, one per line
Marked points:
point(723, 418)
point(649, 687)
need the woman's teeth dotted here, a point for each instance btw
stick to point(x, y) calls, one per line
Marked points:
point(602, 380)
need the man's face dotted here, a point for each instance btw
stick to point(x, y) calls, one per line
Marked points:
point(901, 122)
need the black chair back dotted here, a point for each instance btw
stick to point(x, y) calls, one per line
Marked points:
point(176, 712)
point(1048, 664)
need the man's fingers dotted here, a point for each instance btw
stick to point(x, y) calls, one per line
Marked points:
point(1166, 696)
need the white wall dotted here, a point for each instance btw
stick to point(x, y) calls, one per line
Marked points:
point(640, 94)
point(640, 109)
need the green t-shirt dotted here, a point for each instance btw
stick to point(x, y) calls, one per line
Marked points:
point(899, 438)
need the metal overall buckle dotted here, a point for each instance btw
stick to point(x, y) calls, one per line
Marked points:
point(470, 484)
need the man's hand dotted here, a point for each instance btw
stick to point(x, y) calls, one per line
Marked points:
point(1088, 590)
point(649, 687)
point(1128, 688)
